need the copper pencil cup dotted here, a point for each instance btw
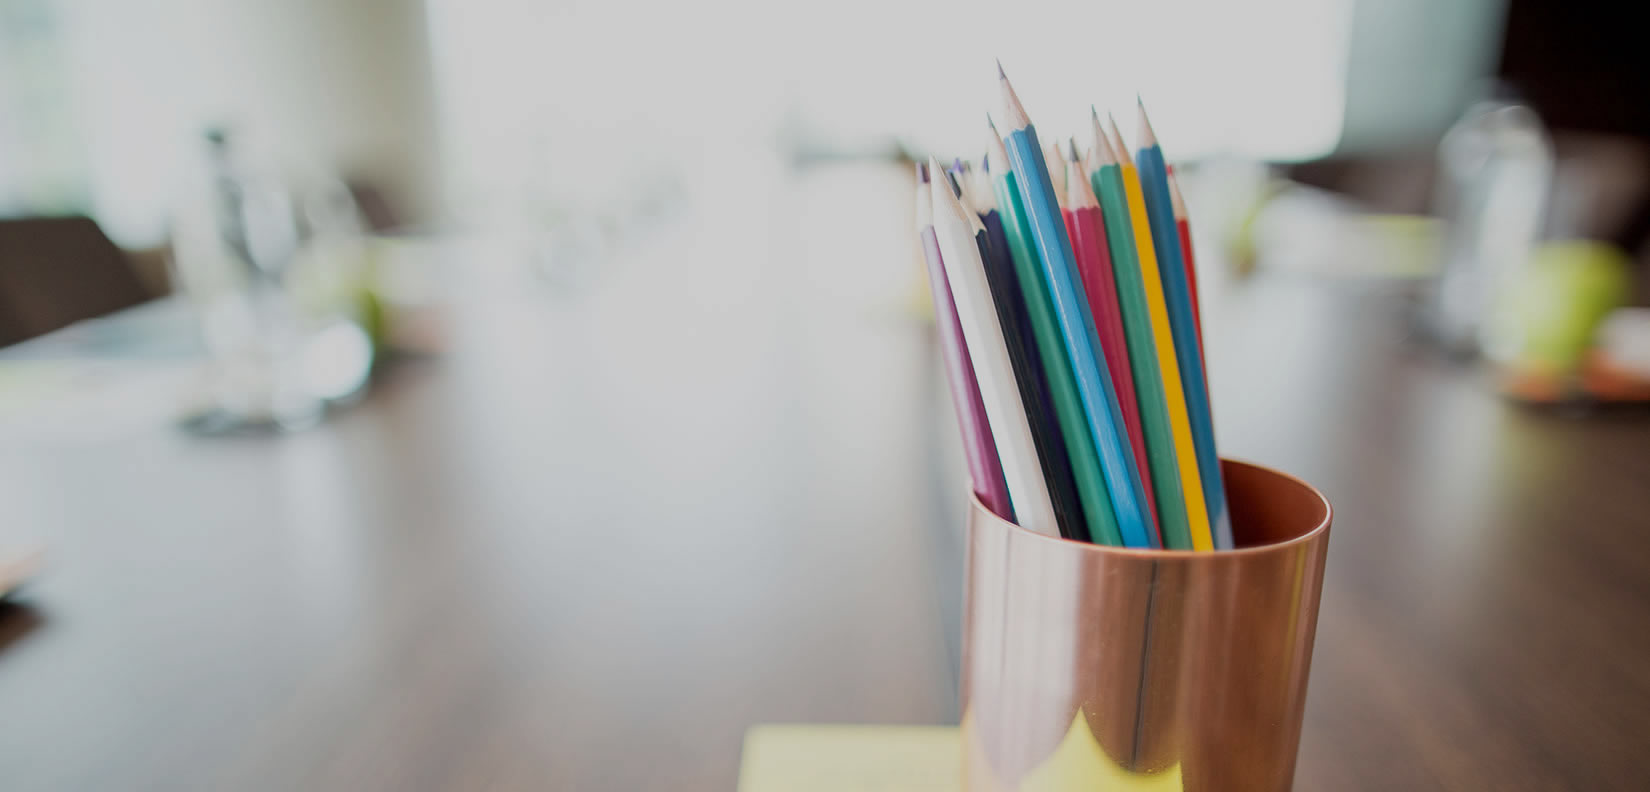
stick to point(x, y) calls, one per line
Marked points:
point(1088, 667)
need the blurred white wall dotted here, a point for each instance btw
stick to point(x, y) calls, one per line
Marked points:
point(550, 101)
point(575, 92)
point(345, 85)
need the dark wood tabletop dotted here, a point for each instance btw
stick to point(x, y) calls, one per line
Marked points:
point(586, 551)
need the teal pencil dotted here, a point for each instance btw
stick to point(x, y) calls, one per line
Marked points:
point(1154, 183)
point(1107, 179)
point(1094, 385)
point(1068, 403)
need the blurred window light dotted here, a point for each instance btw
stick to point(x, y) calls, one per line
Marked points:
point(102, 101)
point(1264, 79)
point(517, 77)
point(42, 167)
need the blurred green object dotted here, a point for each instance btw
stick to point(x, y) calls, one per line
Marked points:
point(1241, 246)
point(1555, 305)
point(372, 320)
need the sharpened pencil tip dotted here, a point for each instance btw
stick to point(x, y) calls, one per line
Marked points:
point(1014, 113)
point(1118, 145)
point(1148, 136)
point(922, 173)
point(1001, 75)
point(1072, 149)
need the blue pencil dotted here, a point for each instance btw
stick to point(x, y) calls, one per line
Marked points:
point(1154, 182)
point(1094, 384)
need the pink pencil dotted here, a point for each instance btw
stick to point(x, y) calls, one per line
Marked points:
point(980, 448)
point(1086, 227)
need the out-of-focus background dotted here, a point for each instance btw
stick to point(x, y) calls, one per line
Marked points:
point(451, 394)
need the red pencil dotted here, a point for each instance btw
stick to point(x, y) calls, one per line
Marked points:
point(1183, 225)
point(1087, 230)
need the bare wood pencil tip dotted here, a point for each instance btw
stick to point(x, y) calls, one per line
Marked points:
point(941, 186)
point(1078, 192)
point(1176, 199)
point(1148, 136)
point(1121, 147)
point(1103, 154)
point(1014, 113)
point(996, 145)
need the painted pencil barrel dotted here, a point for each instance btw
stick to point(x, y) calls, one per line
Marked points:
point(1099, 403)
point(1100, 525)
point(1155, 426)
point(1090, 667)
point(985, 472)
point(1154, 186)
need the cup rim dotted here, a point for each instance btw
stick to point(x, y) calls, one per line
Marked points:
point(1154, 554)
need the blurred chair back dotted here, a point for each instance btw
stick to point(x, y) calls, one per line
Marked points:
point(56, 271)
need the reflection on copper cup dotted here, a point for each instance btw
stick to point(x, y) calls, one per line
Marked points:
point(1088, 667)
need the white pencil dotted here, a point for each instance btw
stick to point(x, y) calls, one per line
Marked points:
point(1027, 488)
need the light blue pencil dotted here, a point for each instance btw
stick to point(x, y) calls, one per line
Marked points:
point(1094, 384)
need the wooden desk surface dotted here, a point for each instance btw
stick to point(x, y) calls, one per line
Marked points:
point(585, 553)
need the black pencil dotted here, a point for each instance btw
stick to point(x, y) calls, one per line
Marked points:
point(1027, 365)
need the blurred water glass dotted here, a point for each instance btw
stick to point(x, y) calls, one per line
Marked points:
point(271, 254)
point(1495, 174)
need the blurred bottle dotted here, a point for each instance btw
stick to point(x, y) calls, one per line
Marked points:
point(272, 258)
point(1495, 173)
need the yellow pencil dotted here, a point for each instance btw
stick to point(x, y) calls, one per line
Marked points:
point(1174, 391)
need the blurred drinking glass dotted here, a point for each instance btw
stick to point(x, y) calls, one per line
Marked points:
point(1495, 172)
point(271, 256)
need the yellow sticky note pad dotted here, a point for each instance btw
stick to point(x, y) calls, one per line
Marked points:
point(804, 758)
point(811, 758)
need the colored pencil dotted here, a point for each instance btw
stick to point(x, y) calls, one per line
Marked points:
point(1162, 467)
point(988, 349)
point(979, 449)
point(1155, 190)
point(1068, 405)
point(1183, 224)
point(1027, 365)
point(1087, 231)
point(1056, 170)
point(1191, 482)
point(1077, 326)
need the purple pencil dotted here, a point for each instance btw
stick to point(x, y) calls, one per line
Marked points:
point(978, 446)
